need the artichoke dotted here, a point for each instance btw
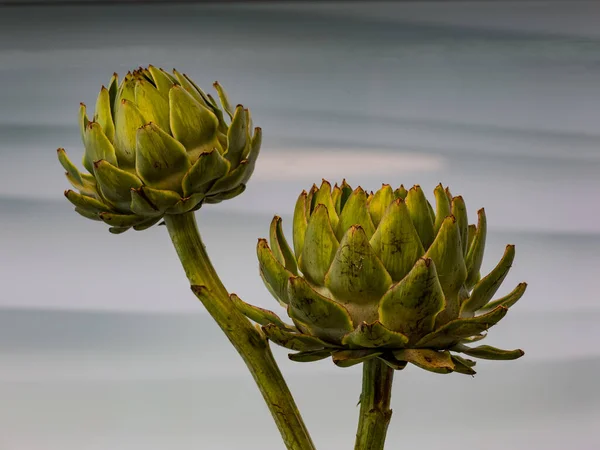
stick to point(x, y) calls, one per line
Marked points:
point(383, 276)
point(157, 144)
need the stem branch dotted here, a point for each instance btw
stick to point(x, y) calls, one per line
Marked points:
point(247, 340)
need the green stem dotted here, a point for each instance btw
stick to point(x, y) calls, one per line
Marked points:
point(247, 340)
point(375, 412)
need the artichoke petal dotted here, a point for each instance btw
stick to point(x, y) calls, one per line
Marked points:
point(462, 365)
point(115, 184)
point(442, 205)
point(420, 215)
point(459, 210)
point(162, 81)
point(223, 99)
point(471, 339)
point(128, 119)
point(508, 300)
point(186, 204)
point(118, 230)
point(153, 105)
point(122, 220)
point(310, 200)
point(229, 181)
point(322, 196)
point(431, 360)
point(336, 198)
point(237, 136)
point(401, 192)
point(300, 223)
point(357, 277)
point(280, 248)
point(310, 356)
point(274, 274)
point(392, 362)
point(113, 88)
point(348, 358)
point(226, 195)
point(293, 340)
point(146, 224)
point(380, 202)
point(487, 287)
point(140, 204)
point(252, 156)
point(458, 329)
point(87, 214)
point(161, 161)
point(161, 199)
point(209, 167)
point(190, 87)
point(396, 241)
point(320, 246)
point(374, 335)
point(412, 305)
point(104, 114)
point(85, 203)
point(355, 212)
point(261, 316)
point(324, 318)
point(192, 124)
point(83, 125)
point(475, 254)
point(97, 146)
point(488, 352)
point(446, 253)
point(73, 173)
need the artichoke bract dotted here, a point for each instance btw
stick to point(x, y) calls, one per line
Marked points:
point(383, 275)
point(157, 144)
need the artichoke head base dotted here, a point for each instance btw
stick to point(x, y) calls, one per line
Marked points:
point(157, 144)
point(383, 276)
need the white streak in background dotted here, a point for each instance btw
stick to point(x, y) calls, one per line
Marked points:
point(335, 164)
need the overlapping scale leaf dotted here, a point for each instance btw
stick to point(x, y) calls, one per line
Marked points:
point(357, 277)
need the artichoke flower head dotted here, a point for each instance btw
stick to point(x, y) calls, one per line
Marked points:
point(383, 276)
point(157, 144)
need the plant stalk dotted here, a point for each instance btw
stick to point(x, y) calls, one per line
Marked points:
point(375, 412)
point(247, 340)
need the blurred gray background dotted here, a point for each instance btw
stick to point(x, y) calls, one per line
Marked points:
point(102, 346)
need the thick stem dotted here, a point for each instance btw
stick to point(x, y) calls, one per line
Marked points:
point(246, 339)
point(375, 412)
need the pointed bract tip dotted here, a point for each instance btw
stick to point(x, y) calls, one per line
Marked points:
point(60, 150)
point(426, 261)
point(324, 182)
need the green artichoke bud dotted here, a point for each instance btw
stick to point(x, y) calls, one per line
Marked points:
point(157, 144)
point(383, 276)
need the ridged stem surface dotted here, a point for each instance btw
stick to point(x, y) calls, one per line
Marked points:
point(375, 412)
